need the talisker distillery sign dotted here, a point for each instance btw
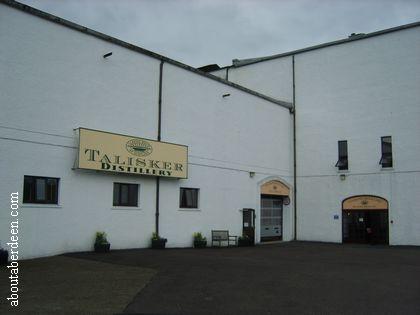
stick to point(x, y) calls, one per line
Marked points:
point(110, 152)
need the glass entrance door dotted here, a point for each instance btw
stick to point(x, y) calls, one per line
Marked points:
point(271, 217)
point(365, 226)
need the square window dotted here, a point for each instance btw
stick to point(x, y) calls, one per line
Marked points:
point(38, 189)
point(125, 195)
point(188, 198)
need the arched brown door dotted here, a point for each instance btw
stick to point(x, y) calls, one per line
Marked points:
point(365, 220)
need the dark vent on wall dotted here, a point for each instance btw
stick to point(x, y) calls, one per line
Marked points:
point(209, 68)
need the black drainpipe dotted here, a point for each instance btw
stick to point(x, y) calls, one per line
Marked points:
point(294, 152)
point(157, 205)
point(159, 138)
point(227, 74)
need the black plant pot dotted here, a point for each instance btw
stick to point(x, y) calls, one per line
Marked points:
point(159, 243)
point(102, 248)
point(242, 242)
point(200, 244)
point(4, 257)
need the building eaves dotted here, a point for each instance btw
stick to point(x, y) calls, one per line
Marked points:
point(116, 41)
point(236, 63)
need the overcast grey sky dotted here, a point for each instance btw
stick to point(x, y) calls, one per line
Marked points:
point(200, 32)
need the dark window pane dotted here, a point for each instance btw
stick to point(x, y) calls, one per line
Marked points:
point(51, 190)
point(133, 195)
point(386, 146)
point(183, 198)
point(28, 189)
point(116, 201)
point(342, 162)
point(125, 195)
point(40, 190)
point(188, 198)
point(342, 149)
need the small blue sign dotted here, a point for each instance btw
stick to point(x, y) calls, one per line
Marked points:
point(336, 216)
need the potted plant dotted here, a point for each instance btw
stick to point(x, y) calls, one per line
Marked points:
point(199, 240)
point(101, 243)
point(4, 256)
point(158, 242)
point(245, 241)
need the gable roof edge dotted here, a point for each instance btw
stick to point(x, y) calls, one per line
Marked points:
point(116, 41)
point(249, 61)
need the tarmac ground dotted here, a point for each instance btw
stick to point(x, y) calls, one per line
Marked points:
point(285, 278)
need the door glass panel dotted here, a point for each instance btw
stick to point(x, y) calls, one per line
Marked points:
point(275, 221)
point(265, 212)
point(266, 203)
point(271, 216)
point(365, 226)
point(277, 203)
point(276, 212)
point(265, 221)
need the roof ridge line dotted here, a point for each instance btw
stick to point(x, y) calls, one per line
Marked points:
point(358, 36)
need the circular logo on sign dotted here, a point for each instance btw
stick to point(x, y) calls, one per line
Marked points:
point(139, 147)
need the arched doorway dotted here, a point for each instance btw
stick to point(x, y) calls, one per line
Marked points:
point(273, 195)
point(365, 220)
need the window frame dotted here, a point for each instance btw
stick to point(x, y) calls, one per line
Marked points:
point(387, 160)
point(197, 199)
point(343, 159)
point(33, 190)
point(119, 203)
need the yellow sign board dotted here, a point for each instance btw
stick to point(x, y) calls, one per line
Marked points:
point(110, 152)
point(365, 202)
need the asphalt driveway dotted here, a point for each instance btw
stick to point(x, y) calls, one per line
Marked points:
point(65, 285)
point(286, 278)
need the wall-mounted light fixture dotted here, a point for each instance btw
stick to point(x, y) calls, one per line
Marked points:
point(251, 174)
point(107, 55)
point(343, 176)
point(226, 95)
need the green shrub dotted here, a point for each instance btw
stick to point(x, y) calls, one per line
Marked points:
point(156, 237)
point(101, 238)
point(198, 237)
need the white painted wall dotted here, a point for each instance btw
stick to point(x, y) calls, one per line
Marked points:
point(272, 78)
point(55, 79)
point(227, 138)
point(36, 65)
point(358, 91)
point(220, 73)
point(85, 204)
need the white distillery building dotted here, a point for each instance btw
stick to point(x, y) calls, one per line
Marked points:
point(100, 135)
point(357, 123)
